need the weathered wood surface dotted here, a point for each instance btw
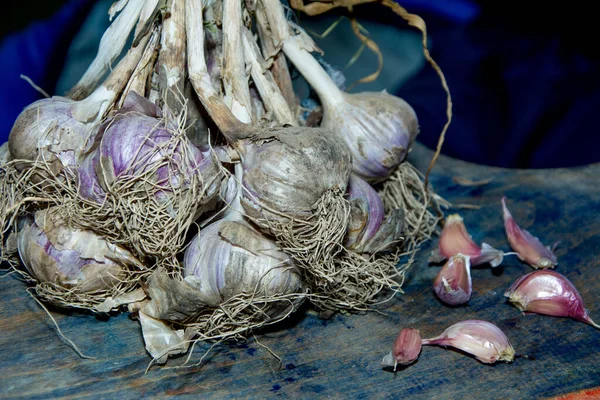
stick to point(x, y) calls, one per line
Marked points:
point(340, 358)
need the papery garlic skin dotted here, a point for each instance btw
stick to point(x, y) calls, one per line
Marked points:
point(287, 170)
point(228, 258)
point(405, 350)
point(549, 293)
point(70, 258)
point(455, 239)
point(48, 130)
point(453, 283)
point(378, 128)
point(5, 155)
point(481, 339)
point(369, 230)
point(528, 247)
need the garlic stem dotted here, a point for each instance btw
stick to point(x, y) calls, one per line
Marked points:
point(279, 68)
point(263, 79)
point(149, 9)
point(171, 60)
point(229, 125)
point(93, 107)
point(139, 78)
point(110, 47)
point(294, 48)
point(235, 80)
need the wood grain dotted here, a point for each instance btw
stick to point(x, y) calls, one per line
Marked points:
point(340, 358)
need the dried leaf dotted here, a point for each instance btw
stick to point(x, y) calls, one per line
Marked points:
point(462, 181)
point(373, 47)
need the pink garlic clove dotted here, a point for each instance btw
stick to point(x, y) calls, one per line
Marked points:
point(528, 247)
point(455, 239)
point(547, 292)
point(481, 339)
point(406, 349)
point(453, 283)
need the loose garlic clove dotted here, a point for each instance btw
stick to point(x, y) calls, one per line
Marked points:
point(547, 292)
point(455, 239)
point(528, 247)
point(406, 349)
point(481, 339)
point(453, 284)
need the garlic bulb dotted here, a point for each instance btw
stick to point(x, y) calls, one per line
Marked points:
point(136, 144)
point(453, 283)
point(528, 247)
point(547, 292)
point(49, 129)
point(369, 230)
point(70, 258)
point(482, 339)
point(455, 239)
point(287, 170)
point(229, 257)
point(378, 128)
point(228, 261)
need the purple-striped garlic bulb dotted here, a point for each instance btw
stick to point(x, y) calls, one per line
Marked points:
point(378, 128)
point(136, 143)
point(369, 229)
point(229, 261)
point(70, 258)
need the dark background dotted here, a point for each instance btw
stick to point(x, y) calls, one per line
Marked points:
point(524, 76)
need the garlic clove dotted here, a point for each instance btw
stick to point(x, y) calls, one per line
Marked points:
point(481, 339)
point(453, 283)
point(547, 292)
point(405, 350)
point(528, 247)
point(455, 239)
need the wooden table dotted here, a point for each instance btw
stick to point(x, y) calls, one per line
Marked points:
point(341, 357)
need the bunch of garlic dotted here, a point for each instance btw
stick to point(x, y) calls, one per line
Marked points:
point(203, 232)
